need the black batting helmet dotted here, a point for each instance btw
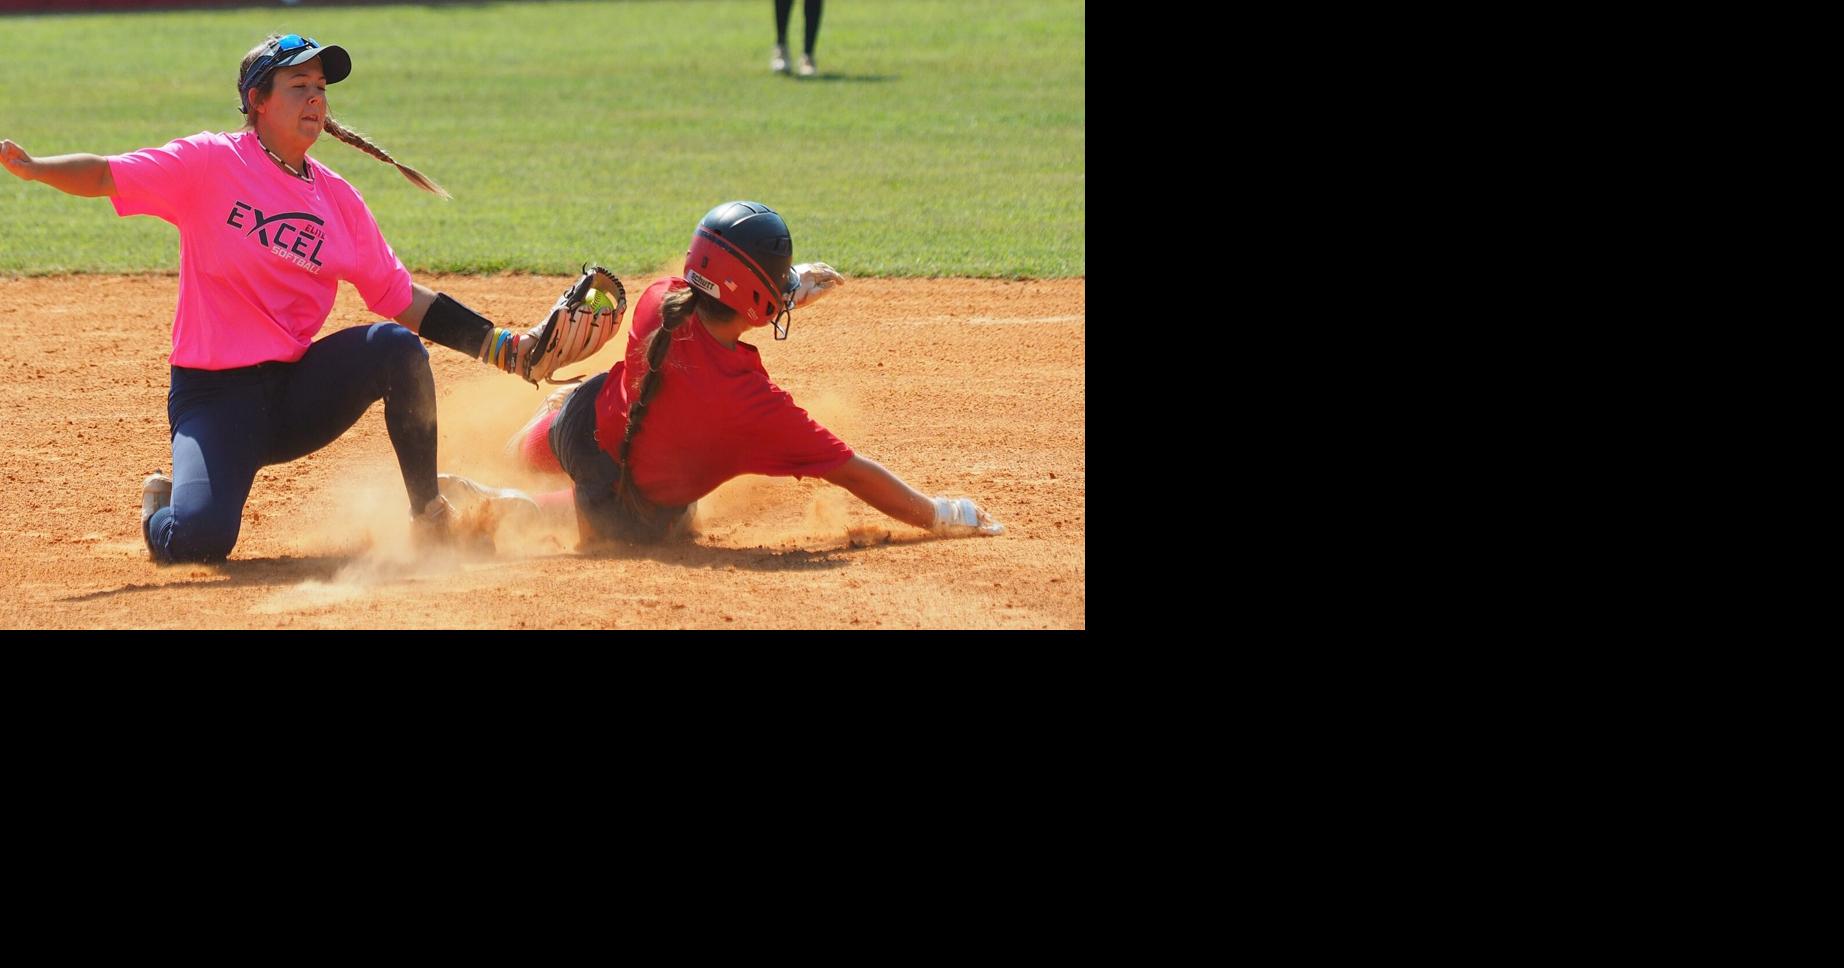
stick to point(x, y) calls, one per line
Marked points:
point(742, 256)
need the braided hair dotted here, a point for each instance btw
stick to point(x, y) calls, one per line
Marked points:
point(650, 520)
point(364, 144)
point(336, 129)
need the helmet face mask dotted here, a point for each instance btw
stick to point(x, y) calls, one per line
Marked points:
point(782, 321)
point(742, 256)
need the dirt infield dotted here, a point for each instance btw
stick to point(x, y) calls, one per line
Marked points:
point(971, 387)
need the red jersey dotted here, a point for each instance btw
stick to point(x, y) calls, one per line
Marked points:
point(715, 416)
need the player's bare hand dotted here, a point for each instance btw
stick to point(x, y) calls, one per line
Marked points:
point(15, 159)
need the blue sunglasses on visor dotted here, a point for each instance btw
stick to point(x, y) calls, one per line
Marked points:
point(288, 51)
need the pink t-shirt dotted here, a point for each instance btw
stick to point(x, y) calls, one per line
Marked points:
point(261, 252)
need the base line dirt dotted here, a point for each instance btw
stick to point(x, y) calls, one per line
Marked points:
point(960, 386)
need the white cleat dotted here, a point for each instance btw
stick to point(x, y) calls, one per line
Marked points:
point(468, 495)
point(156, 493)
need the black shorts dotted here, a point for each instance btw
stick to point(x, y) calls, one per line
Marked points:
point(602, 511)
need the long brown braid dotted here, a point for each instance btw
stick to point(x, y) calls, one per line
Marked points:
point(333, 127)
point(678, 306)
point(364, 144)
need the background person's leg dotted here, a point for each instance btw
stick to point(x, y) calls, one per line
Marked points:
point(779, 62)
point(812, 10)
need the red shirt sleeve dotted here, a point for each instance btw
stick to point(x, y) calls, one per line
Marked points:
point(784, 441)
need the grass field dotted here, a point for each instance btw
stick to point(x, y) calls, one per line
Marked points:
point(943, 137)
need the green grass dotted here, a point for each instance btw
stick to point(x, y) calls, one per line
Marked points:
point(944, 137)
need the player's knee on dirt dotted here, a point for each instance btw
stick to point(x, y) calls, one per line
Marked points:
point(197, 531)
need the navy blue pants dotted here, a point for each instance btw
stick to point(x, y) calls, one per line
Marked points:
point(591, 470)
point(226, 424)
point(600, 514)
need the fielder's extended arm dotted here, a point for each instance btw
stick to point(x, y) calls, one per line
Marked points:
point(86, 176)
